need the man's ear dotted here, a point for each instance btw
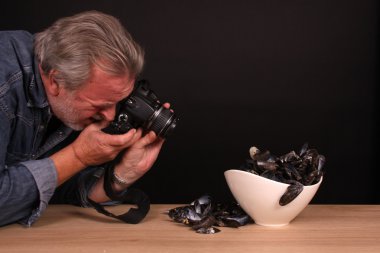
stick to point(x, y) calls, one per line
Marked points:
point(50, 84)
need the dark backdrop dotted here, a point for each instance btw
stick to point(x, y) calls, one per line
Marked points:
point(273, 74)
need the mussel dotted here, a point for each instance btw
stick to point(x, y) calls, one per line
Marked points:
point(296, 169)
point(204, 214)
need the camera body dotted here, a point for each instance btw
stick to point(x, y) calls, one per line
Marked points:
point(142, 108)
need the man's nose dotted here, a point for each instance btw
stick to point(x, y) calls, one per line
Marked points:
point(109, 113)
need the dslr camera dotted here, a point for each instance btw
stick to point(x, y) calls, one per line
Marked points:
point(142, 108)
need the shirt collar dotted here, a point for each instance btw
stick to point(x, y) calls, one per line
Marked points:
point(36, 94)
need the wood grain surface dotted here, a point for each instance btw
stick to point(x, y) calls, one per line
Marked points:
point(319, 228)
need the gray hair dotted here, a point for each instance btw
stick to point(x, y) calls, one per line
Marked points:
point(73, 45)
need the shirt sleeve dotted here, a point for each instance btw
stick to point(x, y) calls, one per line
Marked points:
point(26, 189)
point(75, 191)
point(45, 177)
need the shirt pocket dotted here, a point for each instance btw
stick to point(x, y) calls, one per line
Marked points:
point(21, 141)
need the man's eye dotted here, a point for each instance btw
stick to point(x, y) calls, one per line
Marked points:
point(105, 107)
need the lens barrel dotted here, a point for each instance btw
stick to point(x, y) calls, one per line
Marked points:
point(162, 122)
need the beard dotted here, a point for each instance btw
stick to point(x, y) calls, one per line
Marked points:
point(64, 110)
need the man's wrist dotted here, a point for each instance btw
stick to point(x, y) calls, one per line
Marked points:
point(119, 180)
point(119, 183)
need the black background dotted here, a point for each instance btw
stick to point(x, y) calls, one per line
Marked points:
point(273, 74)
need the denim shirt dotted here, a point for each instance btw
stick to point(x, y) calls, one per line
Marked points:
point(28, 177)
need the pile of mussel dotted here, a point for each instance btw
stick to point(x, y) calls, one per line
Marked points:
point(296, 169)
point(204, 214)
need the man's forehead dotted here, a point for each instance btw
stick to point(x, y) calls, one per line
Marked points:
point(105, 88)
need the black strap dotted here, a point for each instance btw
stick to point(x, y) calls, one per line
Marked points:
point(129, 196)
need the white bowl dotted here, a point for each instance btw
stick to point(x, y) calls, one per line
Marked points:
point(259, 197)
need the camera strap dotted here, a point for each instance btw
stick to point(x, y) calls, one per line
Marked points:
point(129, 196)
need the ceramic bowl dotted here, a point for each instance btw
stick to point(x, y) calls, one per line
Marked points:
point(259, 197)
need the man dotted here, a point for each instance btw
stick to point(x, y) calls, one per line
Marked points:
point(58, 90)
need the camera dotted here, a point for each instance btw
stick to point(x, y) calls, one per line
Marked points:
point(142, 108)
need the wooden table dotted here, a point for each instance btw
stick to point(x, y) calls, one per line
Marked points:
point(319, 228)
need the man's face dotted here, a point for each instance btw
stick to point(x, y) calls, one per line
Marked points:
point(95, 101)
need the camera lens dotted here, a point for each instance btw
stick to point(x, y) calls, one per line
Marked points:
point(162, 122)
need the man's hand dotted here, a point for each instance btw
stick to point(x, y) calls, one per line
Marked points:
point(92, 147)
point(139, 157)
